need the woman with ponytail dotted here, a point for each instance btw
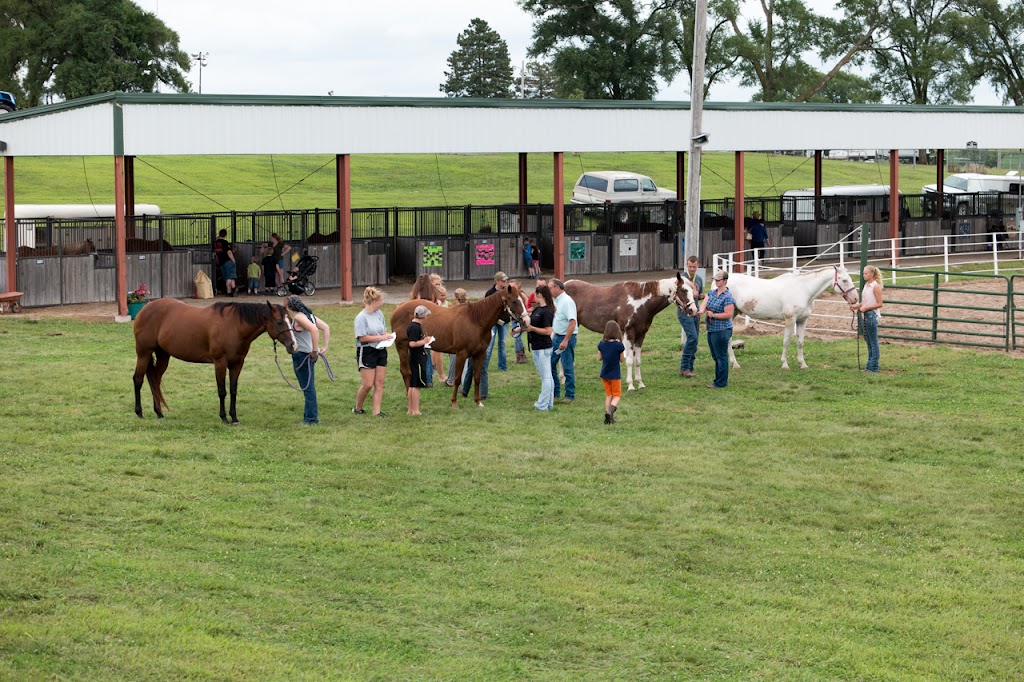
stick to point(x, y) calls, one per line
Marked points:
point(307, 327)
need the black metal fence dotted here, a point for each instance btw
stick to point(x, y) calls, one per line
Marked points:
point(473, 242)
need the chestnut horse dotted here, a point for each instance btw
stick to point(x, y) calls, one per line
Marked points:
point(464, 330)
point(633, 305)
point(219, 334)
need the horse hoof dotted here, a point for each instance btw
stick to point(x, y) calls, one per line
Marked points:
point(640, 386)
point(480, 404)
point(631, 388)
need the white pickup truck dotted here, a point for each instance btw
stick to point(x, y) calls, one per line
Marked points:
point(621, 188)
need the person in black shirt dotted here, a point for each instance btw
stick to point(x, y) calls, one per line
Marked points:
point(539, 332)
point(417, 357)
point(224, 256)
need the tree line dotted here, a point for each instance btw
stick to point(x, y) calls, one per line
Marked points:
point(899, 51)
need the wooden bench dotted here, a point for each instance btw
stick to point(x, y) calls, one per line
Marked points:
point(10, 301)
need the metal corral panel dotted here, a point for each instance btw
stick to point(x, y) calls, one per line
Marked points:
point(87, 131)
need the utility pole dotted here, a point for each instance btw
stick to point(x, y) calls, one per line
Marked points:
point(697, 137)
point(200, 58)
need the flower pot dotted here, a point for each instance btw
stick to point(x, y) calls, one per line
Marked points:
point(134, 308)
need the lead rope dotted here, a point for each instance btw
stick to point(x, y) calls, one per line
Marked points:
point(309, 361)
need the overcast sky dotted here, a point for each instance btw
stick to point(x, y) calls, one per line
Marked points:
point(397, 48)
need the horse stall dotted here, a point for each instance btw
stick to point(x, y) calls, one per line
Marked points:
point(926, 227)
point(639, 252)
point(586, 253)
point(490, 253)
point(56, 280)
point(445, 256)
point(369, 263)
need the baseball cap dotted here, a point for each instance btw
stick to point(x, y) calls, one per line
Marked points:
point(500, 276)
point(421, 311)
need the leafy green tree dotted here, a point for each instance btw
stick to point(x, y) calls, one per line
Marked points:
point(923, 59)
point(481, 67)
point(775, 50)
point(73, 48)
point(992, 33)
point(539, 82)
point(614, 49)
point(719, 60)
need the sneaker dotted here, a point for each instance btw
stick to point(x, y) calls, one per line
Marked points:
point(607, 418)
point(566, 401)
point(380, 414)
point(356, 410)
point(687, 373)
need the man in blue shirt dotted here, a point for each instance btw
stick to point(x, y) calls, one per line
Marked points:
point(758, 233)
point(690, 324)
point(564, 330)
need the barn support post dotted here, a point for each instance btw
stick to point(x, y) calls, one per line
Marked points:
point(11, 231)
point(523, 193)
point(940, 172)
point(343, 164)
point(817, 186)
point(121, 265)
point(559, 215)
point(739, 215)
point(679, 257)
point(129, 194)
point(895, 207)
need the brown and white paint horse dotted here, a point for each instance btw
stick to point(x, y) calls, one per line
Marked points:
point(633, 305)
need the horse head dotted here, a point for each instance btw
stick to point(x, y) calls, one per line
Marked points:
point(279, 327)
point(512, 299)
point(843, 283)
point(684, 296)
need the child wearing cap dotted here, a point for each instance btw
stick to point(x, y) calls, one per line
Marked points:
point(417, 357)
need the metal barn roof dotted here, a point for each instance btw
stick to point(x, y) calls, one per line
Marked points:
point(165, 124)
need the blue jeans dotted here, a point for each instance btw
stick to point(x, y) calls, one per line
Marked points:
point(498, 336)
point(870, 329)
point(304, 373)
point(568, 360)
point(467, 373)
point(692, 328)
point(718, 343)
point(430, 370)
point(542, 361)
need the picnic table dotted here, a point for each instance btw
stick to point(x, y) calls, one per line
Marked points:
point(10, 301)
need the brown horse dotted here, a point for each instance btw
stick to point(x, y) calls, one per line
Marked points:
point(633, 305)
point(136, 245)
point(81, 248)
point(219, 334)
point(464, 330)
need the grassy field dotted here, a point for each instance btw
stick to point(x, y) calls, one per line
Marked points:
point(215, 183)
point(803, 525)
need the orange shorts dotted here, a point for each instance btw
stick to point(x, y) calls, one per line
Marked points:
point(612, 387)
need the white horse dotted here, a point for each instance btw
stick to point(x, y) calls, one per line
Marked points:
point(788, 297)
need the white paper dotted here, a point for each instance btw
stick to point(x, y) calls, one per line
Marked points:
point(430, 340)
point(390, 341)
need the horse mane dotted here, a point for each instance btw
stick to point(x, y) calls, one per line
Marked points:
point(642, 289)
point(256, 314)
point(479, 311)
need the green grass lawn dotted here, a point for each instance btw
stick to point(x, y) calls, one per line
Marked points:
point(181, 184)
point(802, 525)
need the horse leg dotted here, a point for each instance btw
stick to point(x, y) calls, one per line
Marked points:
point(637, 357)
point(787, 335)
point(155, 372)
point(220, 369)
point(732, 356)
point(801, 329)
point(478, 368)
point(234, 371)
point(141, 366)
point(629, 363)
point(403, 363)
point(460, 364)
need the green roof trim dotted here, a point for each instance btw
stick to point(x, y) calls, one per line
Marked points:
point(130, 98)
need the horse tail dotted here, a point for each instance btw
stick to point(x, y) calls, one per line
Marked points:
point(154, 378)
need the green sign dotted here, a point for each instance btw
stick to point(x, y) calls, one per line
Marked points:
point(577, 250)
point(433, 256)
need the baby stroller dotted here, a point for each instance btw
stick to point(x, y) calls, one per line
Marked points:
point(297, 281)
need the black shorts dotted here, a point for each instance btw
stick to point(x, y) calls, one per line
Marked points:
point(368, 357)
point(418, 368)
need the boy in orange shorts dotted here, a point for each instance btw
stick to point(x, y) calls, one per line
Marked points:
point(611, 352)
